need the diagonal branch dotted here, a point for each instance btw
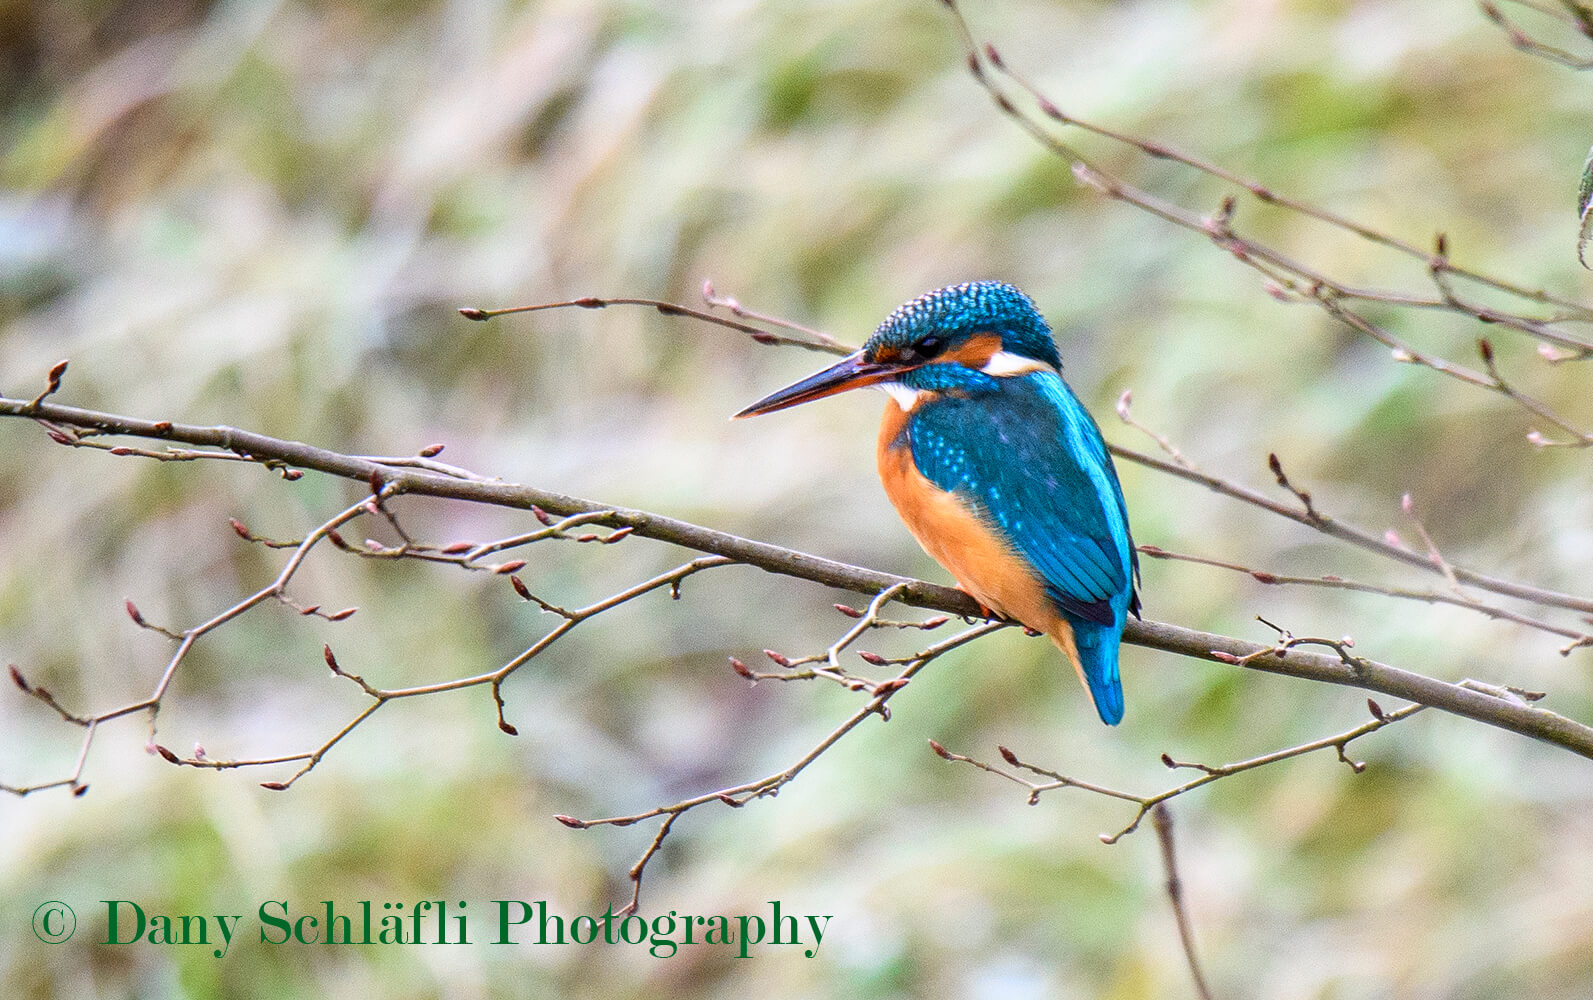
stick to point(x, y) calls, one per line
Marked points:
point(1517, 717)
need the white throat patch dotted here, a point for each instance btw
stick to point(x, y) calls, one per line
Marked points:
point(906, 397)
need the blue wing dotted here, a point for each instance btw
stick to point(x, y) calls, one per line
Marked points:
point(1027, 455)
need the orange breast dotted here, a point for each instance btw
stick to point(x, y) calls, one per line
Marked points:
point(984, 564)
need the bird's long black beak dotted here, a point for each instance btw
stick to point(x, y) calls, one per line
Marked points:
point(851, 372)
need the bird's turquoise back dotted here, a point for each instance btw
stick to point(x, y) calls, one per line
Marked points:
point(1028, 459)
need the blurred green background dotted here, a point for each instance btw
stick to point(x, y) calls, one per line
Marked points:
point(265, 214)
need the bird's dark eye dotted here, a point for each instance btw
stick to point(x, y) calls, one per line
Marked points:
point(928, 348)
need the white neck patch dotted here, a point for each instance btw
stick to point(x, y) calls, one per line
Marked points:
point(1007, 363)
point(906, 397)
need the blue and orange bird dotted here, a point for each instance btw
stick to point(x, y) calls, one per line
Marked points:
point(998, 470)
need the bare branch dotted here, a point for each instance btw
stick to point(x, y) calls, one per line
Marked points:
point(770, 785)
point(1578, 637)
point(1576, 15)
point(717, 301)
point(1209, 773)
point(1285, 277)
point(826, 345)
point(1523, 719)
point(1162, 820)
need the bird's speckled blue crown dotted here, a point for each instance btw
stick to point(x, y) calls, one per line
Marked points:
point(960, 311)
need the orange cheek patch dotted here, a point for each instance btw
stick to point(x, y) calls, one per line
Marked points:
point(977, 350)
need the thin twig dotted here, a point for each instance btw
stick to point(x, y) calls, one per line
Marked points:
point(1162, 820)
point(829, 345)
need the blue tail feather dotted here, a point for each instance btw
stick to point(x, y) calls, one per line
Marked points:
point(1098, 647)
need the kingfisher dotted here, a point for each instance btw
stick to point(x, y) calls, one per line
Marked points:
point(997, 469)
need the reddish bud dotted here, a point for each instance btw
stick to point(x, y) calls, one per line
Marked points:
point(1405, 503)
point(455, 548)
point(171, 758)
point(934, 623)
point(78, 791)
point(336, 539)
point(122, 450)
point(199, 751)
point(331, 661)
point(238, 527)
point(588, 302)
point(1392, 537)
point(1485, 348)
point(617, 534)
point(889, 687)
point(1153, 550)
point(312, 609)
point(1008, 756)
point(1376, 710)
point(132, 612)
point(708, 290)
point(508, 727)
point(161, 427)
point(729, 800)
point(778, 658)
point(940, 751)
point(1222, 657)
point(60, 438)
point(571, 822)
point(1330, 578)
point(848, 611)
point(764, 338)
point(432, 450)
point(377, 480)
point(292, 476)
point(1262, 576)
point(1169, 762)
point(339, 616)
point(1051, 110)
point(520, 587)
point(18, 679)
point(874, 658)
point(1275, 465)
point(512, 566)
point(587, 537)
point(275, 786)
point(741, 668)
point(541, 515)
point(56, 372)
point(472, 313)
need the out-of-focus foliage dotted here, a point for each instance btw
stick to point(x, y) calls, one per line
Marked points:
point(265, 213)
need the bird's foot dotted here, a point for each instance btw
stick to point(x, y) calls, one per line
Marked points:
point(986, 612)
